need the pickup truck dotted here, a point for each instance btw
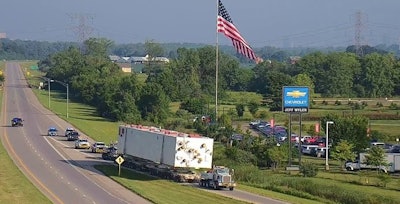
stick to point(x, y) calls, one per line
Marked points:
point(356, 165)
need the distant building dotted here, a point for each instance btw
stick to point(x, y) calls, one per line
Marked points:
point(294, 59)
point(135, 63)
point(3, 35)
point(142, 60)
point(114, 58)
point(125, 67)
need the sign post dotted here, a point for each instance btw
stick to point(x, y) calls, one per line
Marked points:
point(119, 161)
point(295, 100)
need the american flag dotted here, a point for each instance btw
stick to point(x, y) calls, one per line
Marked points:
point(226, 26)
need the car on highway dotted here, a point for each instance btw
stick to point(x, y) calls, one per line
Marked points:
point(68, 130)
point(98, 147)
point(15, 122)
point(82, 144)
point(72, 136)
point(52, 131)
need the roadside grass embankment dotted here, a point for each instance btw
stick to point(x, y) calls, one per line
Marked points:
point(85, 119)
point(326, 187)
point(163, 191)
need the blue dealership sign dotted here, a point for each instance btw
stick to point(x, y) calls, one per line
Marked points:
point(296, 99)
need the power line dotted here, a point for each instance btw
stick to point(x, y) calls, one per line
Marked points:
point(82, 30)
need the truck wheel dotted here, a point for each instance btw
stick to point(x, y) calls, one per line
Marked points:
point(215, 186)
point(231, 188)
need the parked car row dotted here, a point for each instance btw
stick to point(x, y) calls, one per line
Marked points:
point(278, 132)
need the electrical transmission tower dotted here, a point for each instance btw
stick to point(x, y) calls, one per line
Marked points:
point(82, 29)
point(358, 38)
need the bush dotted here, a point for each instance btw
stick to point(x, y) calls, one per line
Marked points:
point(358, 106)
point(384, 180)
point(338, 103)
point(308, 169)
point(393, 106)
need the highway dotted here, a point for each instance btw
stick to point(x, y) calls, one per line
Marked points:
point(62, 173)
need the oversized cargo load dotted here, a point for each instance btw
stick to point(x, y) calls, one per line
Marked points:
point(167, 147)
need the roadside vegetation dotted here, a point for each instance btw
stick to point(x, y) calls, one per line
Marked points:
point(344, 87)
point(277, 183)
point(15, 187)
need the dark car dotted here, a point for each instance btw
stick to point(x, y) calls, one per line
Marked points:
point(72, 136)
point(15, 122)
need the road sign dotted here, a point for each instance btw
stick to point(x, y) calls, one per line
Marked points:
point(295, 99)
point(119, 160)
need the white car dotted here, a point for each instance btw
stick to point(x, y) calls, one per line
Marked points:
point(98, 147)
point(82, 144)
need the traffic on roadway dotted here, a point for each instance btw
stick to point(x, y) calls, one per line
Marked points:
point(61, 169)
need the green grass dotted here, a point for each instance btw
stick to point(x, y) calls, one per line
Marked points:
point(162, 191)
point(14, 186)
point(82, 116)
point(85, 118)
point(276, 195)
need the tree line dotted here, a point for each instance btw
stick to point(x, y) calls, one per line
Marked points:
point(189, 78)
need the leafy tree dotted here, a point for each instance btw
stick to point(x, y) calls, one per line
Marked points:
point(333, 74)
point(253, 107)
point(276, 155)
point(98, 47)
point(376, 157)
point(239, 156)
point(154, 103)
point(343, 151)
point(351, 128)
point(186, 70)
point(341, 69)
point(269, 79)
point(194, 105)
point(304, 80)
point(314, 65)
point(240, 109)
point(153, 49)
point(378, 75)
point(259, 147)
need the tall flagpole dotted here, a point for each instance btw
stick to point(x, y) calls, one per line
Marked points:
point(216, 67)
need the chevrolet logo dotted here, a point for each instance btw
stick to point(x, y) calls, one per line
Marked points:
point(296, 94)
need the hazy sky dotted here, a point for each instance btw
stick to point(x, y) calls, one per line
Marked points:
point(262, 22)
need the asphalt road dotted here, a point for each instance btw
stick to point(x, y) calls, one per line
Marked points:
point(62, 173)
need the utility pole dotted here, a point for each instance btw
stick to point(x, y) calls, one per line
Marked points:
point(358, 38)
point(82, 31)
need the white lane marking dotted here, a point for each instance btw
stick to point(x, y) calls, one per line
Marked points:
point(78, 170)
point(73, 166)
